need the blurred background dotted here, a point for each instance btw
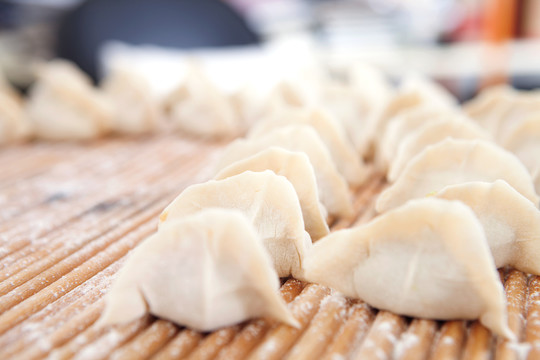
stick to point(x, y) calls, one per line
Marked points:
point(463, 44)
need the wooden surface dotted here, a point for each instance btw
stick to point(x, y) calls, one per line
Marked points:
point(70, 214)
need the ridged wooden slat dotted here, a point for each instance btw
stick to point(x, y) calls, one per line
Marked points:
point(54, 274)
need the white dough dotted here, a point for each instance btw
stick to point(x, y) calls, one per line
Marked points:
point(333, 189)
point(415, 261)
point(343, 153)
point(451, 162)
point(511, 222)
point(431, 133)
point(295, 166)
point(135, 111)
point(63, 104)
point(199, 109)
point(204, 271)
point(268, 200)
point(405, 123)
point(524, 142)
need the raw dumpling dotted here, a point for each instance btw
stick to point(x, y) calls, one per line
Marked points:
point(414, 92)
point(13, 123)
point(347, 108)
point(415, 261)
point(524, 142)
point(405, 123)
point(482, 106)
point(198, 108)
point(511, 222)
point(63, 104)
point(375, 92)
point(204, 271)
point(268, 200)
point(295, 166)
point(333, 190)
point(451, 162)
point(431, 133)
point(136, 112)
point(343, 154)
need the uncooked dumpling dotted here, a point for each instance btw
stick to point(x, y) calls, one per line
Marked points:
point(198, 108)
point(333, 190)
point(431, 133)
point(295, 166)
point(268, 200)
point(13, 123)
point(405, 123)
point(135, 111)
point(415, 261)
point(524, 142)
point(204, 271)
point(63, 104)
point(451, 162)
point(511, 222)
point(343, 154)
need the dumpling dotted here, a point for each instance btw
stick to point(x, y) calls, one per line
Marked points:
point(482, 105)
point(511, 222)
point(405, 123)
point(333, 189)
point(451, 162)
point(348, 110)
point(431, 133)
point(415, 261)
point(63, 104)
point(14, 125)
point(343, 154)
point(204, 271)
point(374, 92)
point(524, 142)
point(415, 91)
point(295, 166)
point(268, 200)
point(199, 109)
point(135, 111)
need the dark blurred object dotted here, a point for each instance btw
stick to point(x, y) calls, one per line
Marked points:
point(185, 24)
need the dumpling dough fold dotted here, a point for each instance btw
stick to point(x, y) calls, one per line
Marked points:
point(511, 222)
point(204, 271)
point(295, 166)
point(451, 162)
point(415, 261)
point(333, 189)
point(268, 200)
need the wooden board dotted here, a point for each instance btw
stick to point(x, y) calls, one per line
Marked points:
point(71, 213)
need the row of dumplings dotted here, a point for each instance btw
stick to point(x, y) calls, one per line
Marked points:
point(63, 104)
point(230, 239)
point(458, 207)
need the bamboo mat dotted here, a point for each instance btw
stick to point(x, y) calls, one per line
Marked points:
point(71, 213)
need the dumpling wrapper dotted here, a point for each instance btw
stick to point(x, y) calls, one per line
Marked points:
point(451, 162)
point(63, 104)
point(204, 271)
point(415, 91)
point(295, 166)
point(511, 222)
point(343, 153)
point(136, 112)
point(199, 109)
point(333, 189)
point(14, 125)
point(268, 200)
point(432, 133)
point(524, 142)
point(415, 261)
point(405, 123)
